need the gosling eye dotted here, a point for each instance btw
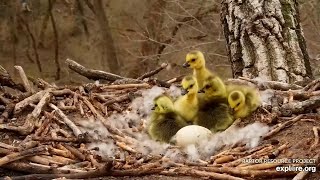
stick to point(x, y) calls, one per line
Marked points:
point(207, 86)
point(193, 60)
point(191, 86)
point(238, 104)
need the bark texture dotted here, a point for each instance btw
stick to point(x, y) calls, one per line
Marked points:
point(265, 39)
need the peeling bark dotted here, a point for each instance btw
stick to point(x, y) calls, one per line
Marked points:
point(265, 39)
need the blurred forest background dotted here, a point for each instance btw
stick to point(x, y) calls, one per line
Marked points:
point(127, 37)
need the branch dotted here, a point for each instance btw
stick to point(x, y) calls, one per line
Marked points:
point(6, 80)
point(151, 73)
point(65, 119)
point(272, 84)
point(19, 155)
point(91, 73)
point(282, 126)
point(300, 107)
point(24, 79)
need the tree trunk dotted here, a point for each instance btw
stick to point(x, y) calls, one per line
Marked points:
point(110, 51)
point(265, 39)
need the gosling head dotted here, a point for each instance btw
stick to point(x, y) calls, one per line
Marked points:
point(162, 104)
point(210, 87)
point(236, 100)
point(189, 85)
point(194, 60)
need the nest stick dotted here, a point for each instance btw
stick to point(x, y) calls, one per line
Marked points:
point(311, 84)
point(316, 137)
point(75, 152)
point(31, 118)
point(282, 126)
point(57, 139)
point(153, 72)
point(6, 80)
point(301, 106)
point(29, 100)
point(272, 84)
point(125, 86)
point(4, 151)
point(25, 81)
point(62, 92)
point(70, 124)
point(301, 175)
point(7, 146)
point(19, 155)
point(60, 152)
point(223, 159)
point(91, 73)
point(118, 99)
point(102, 119)
point(126, 147)
point(255, 154)
point(199, 173)
point(42, 160)
point(261, 166)
point(248, 172)
point(63, 160)
point(37, 168)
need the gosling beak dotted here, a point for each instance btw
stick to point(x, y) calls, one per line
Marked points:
point(184, 92)
point(201, 91)
point(186, 64)
point(153, 108)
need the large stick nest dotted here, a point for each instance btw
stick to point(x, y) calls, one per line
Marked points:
point(41, 133)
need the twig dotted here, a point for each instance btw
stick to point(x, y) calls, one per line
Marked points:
point(198, 173)
point(7, 146)
point(31, 118)
point(299, 94)
point(19, 155)
point(6, 80)
point(101, 118)
point(124, 86)
point(260, 166)
point(59, 152)
point(249, 173)
point(43, 160)
point(316, 137)
point(300, 107)
point(57, 139)
point(310, 85)
point(126, 147)
point(236, 162)
point(24, 79)
point(301, 175)
point(91, 73)
point(283, 125)
point(272, 84)
point(153, 72)
point(29, 100)
point(75, 152)
point(224, 159)
point(77, 132)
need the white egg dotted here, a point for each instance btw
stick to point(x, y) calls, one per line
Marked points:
point(192, 134)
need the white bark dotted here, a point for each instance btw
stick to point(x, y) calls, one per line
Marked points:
point(264, 39)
